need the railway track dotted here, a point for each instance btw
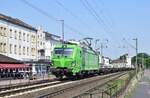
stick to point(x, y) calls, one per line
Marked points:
point(19, 85)
point(49, 89)
point(24, 88)
point(62, 93)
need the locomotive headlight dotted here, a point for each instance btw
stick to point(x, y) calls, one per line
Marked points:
point(73, 64)
point(52, 63)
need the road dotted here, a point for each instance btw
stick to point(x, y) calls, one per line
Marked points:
point(143, 88)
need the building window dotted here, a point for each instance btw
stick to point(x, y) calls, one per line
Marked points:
point(23, 50)
point(33, 51)
point(27, 50)
point(10, 48)
point(5, 32)
point(38, 43)
point(33, 39)
point(1, 47)
point(15, 49)
point(20, 50)
point(2, 31)
point(41, 43)
point(24, 36)
point(4, 47)
point(15, 34)
point(10, 33)
point(27, 37)
point(19, 35)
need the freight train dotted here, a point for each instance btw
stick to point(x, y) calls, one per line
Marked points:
point(76, 60)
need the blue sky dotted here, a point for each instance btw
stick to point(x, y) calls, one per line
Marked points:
point(120, 19)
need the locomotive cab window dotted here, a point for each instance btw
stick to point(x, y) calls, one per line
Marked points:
point(63, 51)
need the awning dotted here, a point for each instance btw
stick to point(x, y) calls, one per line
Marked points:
point(14, 66)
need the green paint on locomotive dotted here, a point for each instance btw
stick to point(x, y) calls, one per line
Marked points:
point(74, 58)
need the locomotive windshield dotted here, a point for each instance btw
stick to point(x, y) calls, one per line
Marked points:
point(63, 51)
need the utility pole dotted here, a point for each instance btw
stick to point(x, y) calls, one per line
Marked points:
point(142, 61)
point(102, 47)
point(136, 48)
point(62, 22)
point(96, 43)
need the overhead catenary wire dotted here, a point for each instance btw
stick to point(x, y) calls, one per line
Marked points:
point(96, 16)
point(74, 15)
point(51, 17)
point(90, 11)
point(103, 13)
point(106, 11)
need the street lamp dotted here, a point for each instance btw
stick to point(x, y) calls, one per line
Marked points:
point(62, 22)
point(102, 46)
point(96, 43)
point(136, 48)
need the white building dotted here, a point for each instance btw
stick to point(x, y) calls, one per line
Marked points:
point(50, 41)
point(23, 42)
point(105, 62)
point(118, 63)
point(18, 39)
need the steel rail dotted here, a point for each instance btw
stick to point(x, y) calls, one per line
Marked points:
point(62, 88)
point(19, 85)
point(59, 92)
point(28, 88)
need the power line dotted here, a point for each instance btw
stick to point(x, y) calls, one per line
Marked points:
point(72, 14)
point(102, 14)
point(90, 11)
point(39, 10)
point(96, 16)
point(106, 11)
point(50, 16)
point(93, 12)
point(129, 43)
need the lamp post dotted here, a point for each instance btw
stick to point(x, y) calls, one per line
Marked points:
point(96, 42)
point(102, 46)
point(136, 48)
point(62, 22)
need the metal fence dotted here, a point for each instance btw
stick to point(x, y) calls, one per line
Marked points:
point(110, 91)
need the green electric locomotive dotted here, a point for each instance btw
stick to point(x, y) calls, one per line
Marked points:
point(73, 60)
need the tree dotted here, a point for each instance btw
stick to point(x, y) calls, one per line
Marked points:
point(123, 57)
point(140, 58)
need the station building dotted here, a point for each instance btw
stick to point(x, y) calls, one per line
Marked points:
point(18, 39)
point(23, 42)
